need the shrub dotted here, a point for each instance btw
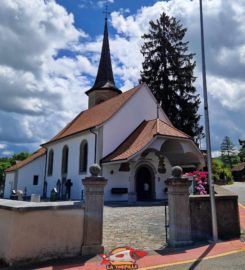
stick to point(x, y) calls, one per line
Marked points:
point(201, 182)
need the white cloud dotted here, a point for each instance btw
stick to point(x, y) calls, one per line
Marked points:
point(7, 153)
point(2, 146)
point(102, 3)
point(43, 90)
point(39, 87)
point(93, 4)
point(216, 154)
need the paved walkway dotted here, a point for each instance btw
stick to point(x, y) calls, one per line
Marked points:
point(170, 258)
point(141, 227)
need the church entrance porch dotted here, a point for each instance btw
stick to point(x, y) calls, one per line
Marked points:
point(145, 183)
point(142, 176)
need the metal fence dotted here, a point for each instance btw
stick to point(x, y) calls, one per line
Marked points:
point(166, 214)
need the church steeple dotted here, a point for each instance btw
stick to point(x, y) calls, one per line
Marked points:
point(104, 86)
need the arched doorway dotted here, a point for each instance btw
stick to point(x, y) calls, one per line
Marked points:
point(145, 183)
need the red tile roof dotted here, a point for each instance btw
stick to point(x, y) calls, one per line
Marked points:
point(96, 115)
point(24, 162)
point(239, 167)
point(141, 136)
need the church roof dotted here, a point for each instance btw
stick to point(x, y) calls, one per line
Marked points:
point(105, 79)
point(141, 136)
point(40, 152)
point(96, 115)
point(239, 167)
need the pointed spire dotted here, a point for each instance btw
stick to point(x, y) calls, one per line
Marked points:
point(105, 78)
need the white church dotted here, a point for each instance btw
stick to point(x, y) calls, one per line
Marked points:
point(127, 134)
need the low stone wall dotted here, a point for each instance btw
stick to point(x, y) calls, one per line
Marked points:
point(40, 231)
point(227, 215)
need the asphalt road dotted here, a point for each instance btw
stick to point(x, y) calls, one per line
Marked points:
point(238, 188)
point(229, 262)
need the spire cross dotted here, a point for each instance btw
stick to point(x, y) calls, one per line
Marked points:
point(106, 12)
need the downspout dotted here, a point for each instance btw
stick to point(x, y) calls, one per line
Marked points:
point(45, 170)
point(95, 144)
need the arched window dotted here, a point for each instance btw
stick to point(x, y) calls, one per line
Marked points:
point(65, 153)
point(50, 162)
point(83, 160)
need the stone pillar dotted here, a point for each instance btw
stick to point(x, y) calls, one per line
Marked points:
point(179, 209)
point(93, 219)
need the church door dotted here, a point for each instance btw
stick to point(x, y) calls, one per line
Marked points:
point(144, 184)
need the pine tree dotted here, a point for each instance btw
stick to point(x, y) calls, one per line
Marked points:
point(228, 152)
point(168, 71)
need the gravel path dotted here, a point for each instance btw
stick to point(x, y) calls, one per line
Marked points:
point(140, 227)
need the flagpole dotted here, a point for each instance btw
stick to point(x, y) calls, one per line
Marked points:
point(207, 129)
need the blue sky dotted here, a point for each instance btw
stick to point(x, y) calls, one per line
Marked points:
point(49, 53)
point(89, 15)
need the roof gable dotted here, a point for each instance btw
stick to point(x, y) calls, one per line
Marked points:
point(26, 161)
point(96, 115)
point(141, 137)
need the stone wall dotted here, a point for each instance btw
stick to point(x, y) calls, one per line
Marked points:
point(40, 231)
point(227, 215)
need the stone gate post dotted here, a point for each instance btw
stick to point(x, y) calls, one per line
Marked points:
point(93, 219)
point(179, 209)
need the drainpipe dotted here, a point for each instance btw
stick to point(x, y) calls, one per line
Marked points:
point(95, 144)
point(45, 169)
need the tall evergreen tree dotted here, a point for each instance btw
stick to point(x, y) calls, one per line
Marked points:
point(168, 71)
point(228, 152)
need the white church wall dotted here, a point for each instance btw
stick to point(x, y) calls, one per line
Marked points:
point(116, 179)
point(187, 146)
point(9, 183)
point(73, 173)
point(26, 176)
point(100, 144)
point(158, 142)
point(190, 148)
point(142, 106)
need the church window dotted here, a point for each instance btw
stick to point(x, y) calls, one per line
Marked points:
point(65, 153)
point(83, 161)
point(50, 162)
point(35, 180)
